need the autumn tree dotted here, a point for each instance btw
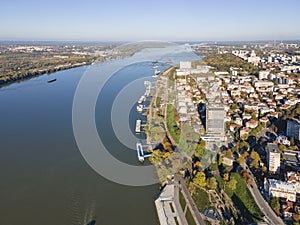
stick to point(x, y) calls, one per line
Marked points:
point(226, 177)
point(255, 159)
point(241, 160)
point(212, 183)
point(200, 179)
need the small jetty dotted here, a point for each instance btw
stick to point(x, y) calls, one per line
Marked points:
point(138, 126)
point(140, 152)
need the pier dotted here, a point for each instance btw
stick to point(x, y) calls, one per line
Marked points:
point(140, 152)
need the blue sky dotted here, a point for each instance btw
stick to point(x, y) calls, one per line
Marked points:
point(149, 20)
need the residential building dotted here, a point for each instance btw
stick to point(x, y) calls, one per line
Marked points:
point(215, 117)
point(273, 157)
point(281, 189)
point(293, 129)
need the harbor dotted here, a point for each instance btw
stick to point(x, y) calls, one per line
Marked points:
point(143, 103)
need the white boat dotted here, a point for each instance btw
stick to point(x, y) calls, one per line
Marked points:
point(139, 108)
point(138, 126)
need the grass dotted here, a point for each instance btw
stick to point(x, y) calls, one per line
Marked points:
point(189, 217)
point(158, 101)
point(201, 199)
point(182, 201)
point(242, 198)
point(171, 124)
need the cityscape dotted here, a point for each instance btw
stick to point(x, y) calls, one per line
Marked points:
point(159, 113)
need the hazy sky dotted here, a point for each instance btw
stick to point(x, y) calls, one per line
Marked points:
point(149, 20)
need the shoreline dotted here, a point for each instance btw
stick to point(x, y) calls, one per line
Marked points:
point(37, 74)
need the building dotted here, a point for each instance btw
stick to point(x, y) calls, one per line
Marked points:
point(166, 207)
point(215, 119)
point(273, 157)
point(185, 65)
point(293, 129)
point(292, 157)
point(281, 189)
point(263, 74)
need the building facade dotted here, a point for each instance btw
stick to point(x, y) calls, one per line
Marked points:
point(293, 129)
point(273, 158)
point(215, 117)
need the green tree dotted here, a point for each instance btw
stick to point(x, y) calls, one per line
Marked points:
point(255, 159)
point(200, 179)
point(244, 146)
point(232, 184)
point(274, 203)
point(281, 148)
point(292, 141)
point(200, 148)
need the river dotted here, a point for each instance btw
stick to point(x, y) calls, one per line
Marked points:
point(44, 178)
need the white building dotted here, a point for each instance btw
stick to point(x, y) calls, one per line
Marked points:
point(273, 157)
point(281, 189)
point(263, 74)
point(185, 65)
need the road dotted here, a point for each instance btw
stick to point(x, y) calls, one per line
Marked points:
point(263, 205)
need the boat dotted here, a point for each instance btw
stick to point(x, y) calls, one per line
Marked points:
point(142, 99)
point(138, 126)
point(139, 108)
point(52, 80)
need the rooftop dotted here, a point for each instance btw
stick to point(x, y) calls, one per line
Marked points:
point(273, 148)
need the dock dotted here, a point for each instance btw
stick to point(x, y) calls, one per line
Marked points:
point(138, 126)
point(140, 152)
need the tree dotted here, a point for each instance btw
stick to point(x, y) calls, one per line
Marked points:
point(244, 146)
point(281, 148)
point(241, 160)
point(226, 177)
point(232, 184)
point(274, 203)
point(200, 148)
point(200, 179)
point(255, 159)
point(212, 183)
point(292, 141)
point(156, 156)
point(228, 153)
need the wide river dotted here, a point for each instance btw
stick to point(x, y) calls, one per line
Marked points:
point(44, 178)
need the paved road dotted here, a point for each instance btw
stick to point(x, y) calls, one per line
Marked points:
point(263, 205)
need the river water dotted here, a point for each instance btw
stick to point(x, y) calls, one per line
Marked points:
point(44, 178)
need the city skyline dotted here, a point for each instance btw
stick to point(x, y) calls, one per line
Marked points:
point(154, 20)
